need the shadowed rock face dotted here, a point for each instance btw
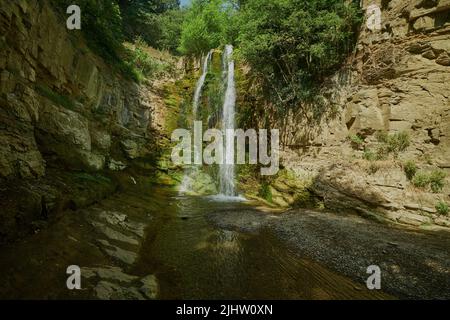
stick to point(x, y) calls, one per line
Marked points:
point(58, 100)
point(62, 108)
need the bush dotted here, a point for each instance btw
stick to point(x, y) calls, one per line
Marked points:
point(399, 142)
point(356, 140)
point(421, 180)
point(101, 25)
point(437, 180)
point(142, 64)
point(55, 97)
point(369, 155)
point(158, 22)
point(373, 168)
point(442, 208)
point(410, 169)
point(382, 153)
point(204, 27)
point(265, 192)
point(382, 136)
point(395, 143)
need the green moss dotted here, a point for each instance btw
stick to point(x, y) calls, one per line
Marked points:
point(304, 199)
point(95, 178)
point(442, 208)
point(265, 192)
point(356, 140)
point(55, 97)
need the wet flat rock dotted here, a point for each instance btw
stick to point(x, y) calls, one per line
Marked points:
point(113, 283)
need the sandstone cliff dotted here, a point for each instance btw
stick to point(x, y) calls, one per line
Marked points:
point(398, 81)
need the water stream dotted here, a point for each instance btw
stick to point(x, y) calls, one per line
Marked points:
point(189, 247)
point(186, 184)
point(227, 170)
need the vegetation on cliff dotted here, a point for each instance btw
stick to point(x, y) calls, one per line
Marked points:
point(290, 45)
point(107, 25)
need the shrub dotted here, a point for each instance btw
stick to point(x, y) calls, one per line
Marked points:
point(141, 65)
point(373, 168)
point(204, 27)
point(421, 180)
point(382, 153)
point(295, 45)
point(410, 169)
point(101, 25)
point(265, 192)
point(442, 208)
point(157, 22)
point(437, 180)
point(399, 142)
point(356, 140)
point(369, 155)
point(382, 136)
point(395, 143)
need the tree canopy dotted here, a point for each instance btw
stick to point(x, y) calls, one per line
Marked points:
point(291, 44)
point(294, 44)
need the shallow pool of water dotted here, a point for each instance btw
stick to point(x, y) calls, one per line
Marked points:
point(194, 259)
point(182, 244)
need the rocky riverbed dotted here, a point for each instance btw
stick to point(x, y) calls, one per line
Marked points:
point(414, 263)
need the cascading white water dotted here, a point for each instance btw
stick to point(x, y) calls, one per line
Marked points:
point(187, 180)
point(200, 83)
point(227, 184)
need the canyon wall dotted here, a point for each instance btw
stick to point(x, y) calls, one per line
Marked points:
point(62, 108)
point(60, 101)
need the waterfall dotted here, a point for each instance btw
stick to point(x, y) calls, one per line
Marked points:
point(227, 169)
point(199, 86)
point(187, 180)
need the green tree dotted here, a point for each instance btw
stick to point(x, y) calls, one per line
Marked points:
point(295, 44)
point(204, 27)
point(171, 22)
point(101, 25)
point(149, 20)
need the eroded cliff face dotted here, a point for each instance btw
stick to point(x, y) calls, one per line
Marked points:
point(397, 81)
point(59, 100)
point(62, 108)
